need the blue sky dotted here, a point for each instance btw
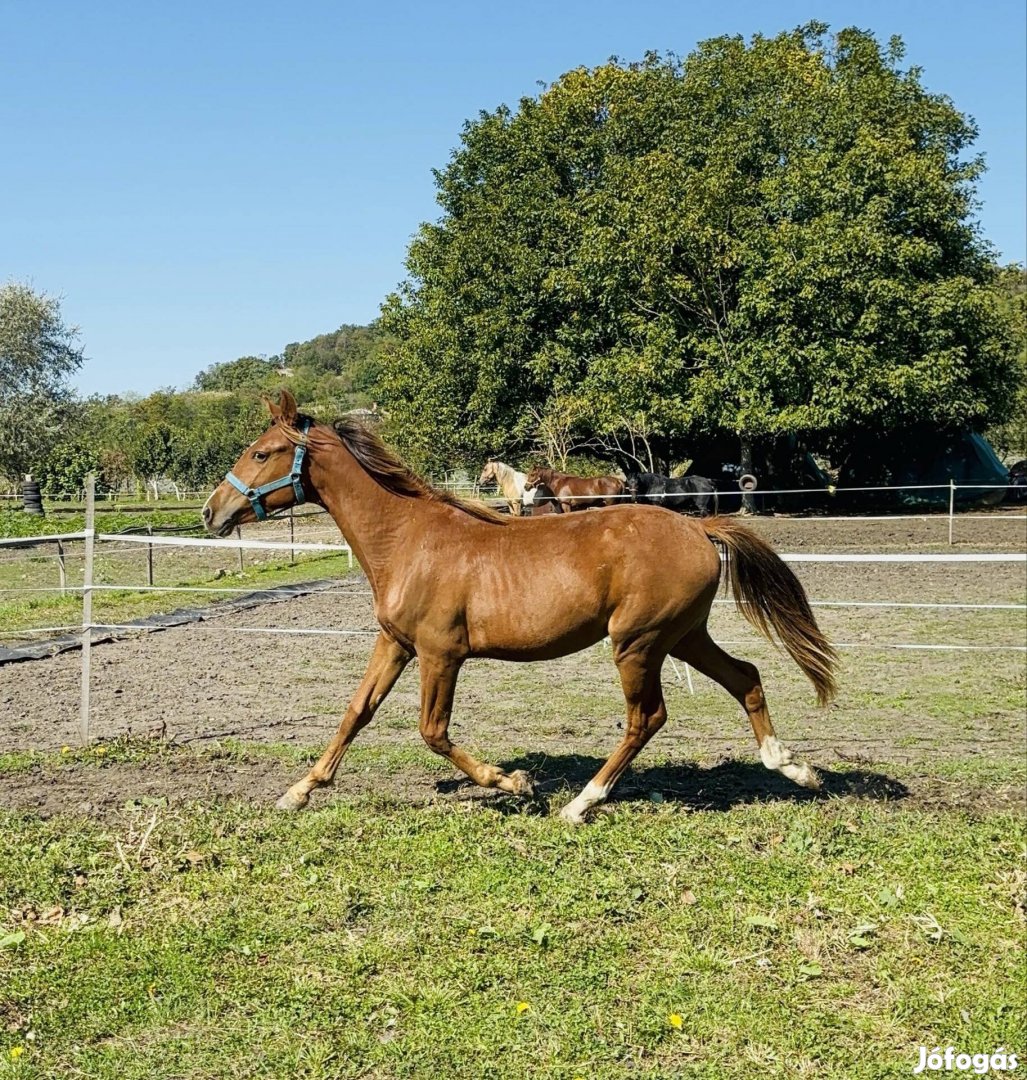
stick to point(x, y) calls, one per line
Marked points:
point(201, 181)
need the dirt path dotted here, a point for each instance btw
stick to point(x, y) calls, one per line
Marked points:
point(173, 779)
point(212, 680)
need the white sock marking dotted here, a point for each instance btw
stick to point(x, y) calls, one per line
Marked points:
point(591, 794)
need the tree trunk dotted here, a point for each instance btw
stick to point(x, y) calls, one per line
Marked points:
point(748, 500)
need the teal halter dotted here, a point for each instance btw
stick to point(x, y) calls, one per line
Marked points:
point(256, 494)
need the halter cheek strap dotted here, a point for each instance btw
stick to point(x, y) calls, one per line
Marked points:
point(293, 479)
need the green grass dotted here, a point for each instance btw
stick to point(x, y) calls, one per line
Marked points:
point(376, 939)
point(116, 606)
point(15, 523)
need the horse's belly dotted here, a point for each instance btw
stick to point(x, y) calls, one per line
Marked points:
point(531, 631)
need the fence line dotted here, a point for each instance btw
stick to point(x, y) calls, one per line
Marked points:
point(234, 545)
point(27, 541)
point(89, 536)
point(831, 489)
point(353, 592)
point(274, 545)
point(317, 632)
point(912, 646)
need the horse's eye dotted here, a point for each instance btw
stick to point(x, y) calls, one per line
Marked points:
point(259, 455)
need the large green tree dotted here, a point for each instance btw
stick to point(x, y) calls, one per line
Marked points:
point(766, 237)
point(38, 353)
point(1010, 437)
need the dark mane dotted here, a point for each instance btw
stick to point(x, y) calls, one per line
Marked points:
point(382, 465)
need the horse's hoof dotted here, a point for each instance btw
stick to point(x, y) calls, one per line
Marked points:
point(572, 817)
point(521, 784)
point(802, 774)
point(808, 777)
point(289, 801)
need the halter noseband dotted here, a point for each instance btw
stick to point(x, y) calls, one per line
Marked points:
point(293, 479)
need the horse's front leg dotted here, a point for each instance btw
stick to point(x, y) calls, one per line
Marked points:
point(438, 682)
point(386, 665)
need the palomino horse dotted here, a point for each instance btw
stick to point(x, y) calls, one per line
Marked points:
point(510, 482)
point(578, 492)
point(452, 580)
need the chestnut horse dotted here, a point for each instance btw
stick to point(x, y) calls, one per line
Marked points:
point(578, 492)
point(452, 580)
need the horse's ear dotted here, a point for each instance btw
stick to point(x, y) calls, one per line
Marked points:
point(287, 408)
point(271, 407)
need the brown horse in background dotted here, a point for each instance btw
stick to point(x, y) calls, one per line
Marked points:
point(578, 492)
point(453, 579)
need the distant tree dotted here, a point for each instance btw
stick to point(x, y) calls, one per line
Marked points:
point(66, 466)
point(252, 372)
point(349, 352)
point(38, 353)
point(152, 453)
point(764, 238)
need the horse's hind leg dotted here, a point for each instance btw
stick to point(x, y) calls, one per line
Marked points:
point(640, 679)
point(742, 680)
point(386, 665)
point(438, 682)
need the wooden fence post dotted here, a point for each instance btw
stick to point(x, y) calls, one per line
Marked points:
point(952, 507)
point(87, 608)
point(61, 569)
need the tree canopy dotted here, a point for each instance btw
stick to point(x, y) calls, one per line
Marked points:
point(38, 353)
point(762, 238)
point(1010, 437)
point(248, 372)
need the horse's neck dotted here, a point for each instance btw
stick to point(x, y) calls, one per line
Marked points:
point(373, 520)
point(511, 481)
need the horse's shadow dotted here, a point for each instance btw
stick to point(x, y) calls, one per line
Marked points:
point(720, 787)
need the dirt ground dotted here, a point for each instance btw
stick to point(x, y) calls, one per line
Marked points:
point(201, 684)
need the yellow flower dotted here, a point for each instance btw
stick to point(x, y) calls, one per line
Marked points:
point(522, 1007)
point(65, 749)
point(675, 1020)
point(100, 751)
point(16, 1052)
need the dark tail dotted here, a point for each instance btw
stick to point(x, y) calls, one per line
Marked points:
point(771, 597)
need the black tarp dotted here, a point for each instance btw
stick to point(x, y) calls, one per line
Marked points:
point(917, 457)
point(42, 650)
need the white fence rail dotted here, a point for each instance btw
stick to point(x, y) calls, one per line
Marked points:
point(90, 537)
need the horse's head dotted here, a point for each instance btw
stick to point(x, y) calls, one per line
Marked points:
point(488, 473)
point(631, 480)
point(537, 475)
point(269, 476)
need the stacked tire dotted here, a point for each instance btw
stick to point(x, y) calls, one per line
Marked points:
point(31, 498)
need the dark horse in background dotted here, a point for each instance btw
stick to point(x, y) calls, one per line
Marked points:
point(544, 501)
point(686, 494)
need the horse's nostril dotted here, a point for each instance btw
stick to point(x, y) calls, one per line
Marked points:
point(206, 514)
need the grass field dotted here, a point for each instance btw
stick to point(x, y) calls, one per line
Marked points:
point(486, 938)
point(158, 919)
